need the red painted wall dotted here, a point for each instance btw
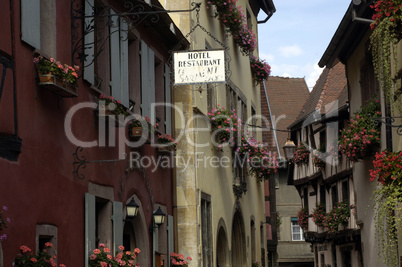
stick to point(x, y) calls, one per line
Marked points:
point(40, 188)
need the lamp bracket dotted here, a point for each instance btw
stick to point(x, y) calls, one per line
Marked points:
point(81, 161)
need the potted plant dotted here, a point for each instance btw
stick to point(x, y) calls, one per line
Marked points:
point(260, 69)
point(225, 126)
point(338, 218)
point(3, 223)
point(61, 79)
point(387, 168)
point(179, 259)
point(387, 32)
point(40, 259)
point(319, 157)
point(358, 139)
point(235, 22)
point(319, 214)
point(107, 106)
point(138, 125)
point(302, 218)
point(102, 257)
point(301, 155)
point(166, 142)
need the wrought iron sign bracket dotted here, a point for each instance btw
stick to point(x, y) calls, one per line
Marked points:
point(389, 121)
point(89, 20)
point(81, 161)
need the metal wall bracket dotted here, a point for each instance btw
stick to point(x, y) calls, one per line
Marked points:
point(97, 22)
point(390, 121)
point(81, 161)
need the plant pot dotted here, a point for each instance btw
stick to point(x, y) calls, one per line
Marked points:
point(135, 132)
point(164, 149)
point(57, 86)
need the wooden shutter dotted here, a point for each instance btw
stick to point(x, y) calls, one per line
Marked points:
point(117, 225)
point(30, 22)
point(168, 100)
point(89, 44)
point(115, 81)
point(145, 104)
point(90, 225)
point(151, 78)
point(124, 63)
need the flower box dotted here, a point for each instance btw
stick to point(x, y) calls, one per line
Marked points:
point(57, 86)
point(135, 133)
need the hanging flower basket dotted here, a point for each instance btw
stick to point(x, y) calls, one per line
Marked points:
point(301, 155)
point(360, 137)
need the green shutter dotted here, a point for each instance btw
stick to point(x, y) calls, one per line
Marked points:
point(30, 22)
point(168, 100)
point(124, 63)
point(89, 44)
point(117, 225)
point(90, 225)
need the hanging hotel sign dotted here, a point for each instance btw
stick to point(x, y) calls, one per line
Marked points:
point(193, 67)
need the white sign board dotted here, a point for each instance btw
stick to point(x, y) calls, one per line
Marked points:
point(205, 66)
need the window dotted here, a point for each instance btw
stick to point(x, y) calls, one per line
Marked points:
point(305, 198)
point(211, 97)
point(38, 25)
point(323, 195)
point(334, 195)
point(46, 233)
point(368, 80)
point(206, 226)
point(345, 191)
point(230, 98)
point(253, 119)
point(297, 232)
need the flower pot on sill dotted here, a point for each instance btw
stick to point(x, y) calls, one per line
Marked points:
point(135, 132)
point(164, 149)
point(56, 85)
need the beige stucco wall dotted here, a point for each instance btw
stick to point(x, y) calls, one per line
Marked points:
point(363, 186)
point(198, 178)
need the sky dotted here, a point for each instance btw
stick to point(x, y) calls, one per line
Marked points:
point(294, 39)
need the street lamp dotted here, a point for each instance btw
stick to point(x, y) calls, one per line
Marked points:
point(132, 209)
point(159, 217)
point(289, 149)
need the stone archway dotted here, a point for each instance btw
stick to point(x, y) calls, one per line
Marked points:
point(135, 235)
point(239, 258)
point(222, 249)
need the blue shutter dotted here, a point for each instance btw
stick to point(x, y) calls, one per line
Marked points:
point(124, 63)
point(30, 22)
point(89, 44)
point(117, 225)
point(115, 57)
point(90, 225)
point(168, 100)
point(145, 104)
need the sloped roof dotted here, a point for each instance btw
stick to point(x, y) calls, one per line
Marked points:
point(286, 97)
point(329, 93)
